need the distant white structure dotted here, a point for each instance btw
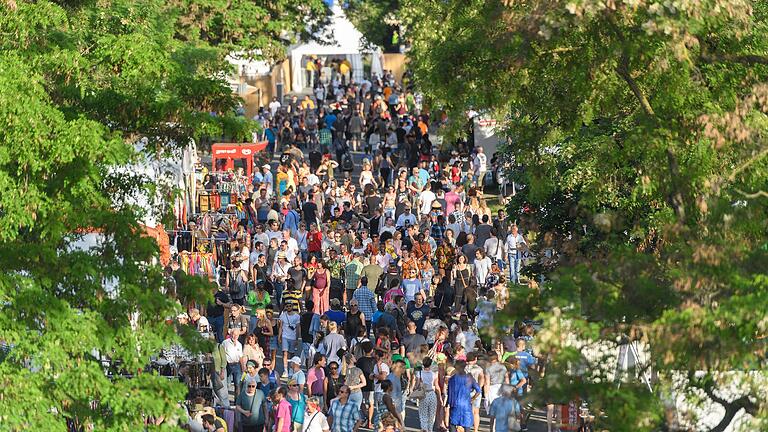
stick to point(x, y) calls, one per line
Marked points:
point(347, 42)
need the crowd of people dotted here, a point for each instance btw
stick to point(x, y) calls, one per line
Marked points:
point(351, 291)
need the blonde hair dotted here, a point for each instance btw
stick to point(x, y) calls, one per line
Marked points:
point(332, 326)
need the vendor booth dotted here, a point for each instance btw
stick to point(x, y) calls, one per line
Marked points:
point(228, 156)
point(347, 43)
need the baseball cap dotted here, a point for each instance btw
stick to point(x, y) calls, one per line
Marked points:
point(295, 359)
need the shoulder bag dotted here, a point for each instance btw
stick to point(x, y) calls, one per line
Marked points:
point(418, 392)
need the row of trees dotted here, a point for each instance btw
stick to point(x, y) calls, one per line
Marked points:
point(640, 127)
point(80, 82)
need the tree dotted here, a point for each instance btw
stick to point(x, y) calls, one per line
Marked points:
point(641, 129)
point(377, 20)
point(80, 83)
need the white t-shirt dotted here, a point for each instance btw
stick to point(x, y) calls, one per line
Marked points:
point(293, 247)
point(513, 241)
point(290, 325)
point(316, 422)
point(376, 371)
point(233, 350)
point(467, 339)
point(480, 163)
point(426, 198)
point(273, 107)
point(494, 248)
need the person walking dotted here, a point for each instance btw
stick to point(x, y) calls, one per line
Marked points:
point(460, 398)
point(428, 405)
point(503, 409)
point(252, 406)
point(315, 420)
point(343, 414)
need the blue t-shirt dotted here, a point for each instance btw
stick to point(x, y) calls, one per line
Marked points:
point(410, 288)
point(501, 408)
point(330, 119)
point(423, 176)
point(526, 360)
point(514, 378)
point(297, 408)
point(271, 136)
point(336, 316)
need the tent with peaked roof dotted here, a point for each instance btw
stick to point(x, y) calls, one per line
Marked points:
point(347, 42)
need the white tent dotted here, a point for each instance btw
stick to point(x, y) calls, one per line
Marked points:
point(347, 41)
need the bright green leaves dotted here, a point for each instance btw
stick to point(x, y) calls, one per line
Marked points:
point(640, 129)
point(80, 83)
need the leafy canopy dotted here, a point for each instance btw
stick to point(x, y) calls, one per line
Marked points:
point(80, 82)
point(639, 131)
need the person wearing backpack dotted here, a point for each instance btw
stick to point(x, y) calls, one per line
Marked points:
point(505, 411)
point(519, 382)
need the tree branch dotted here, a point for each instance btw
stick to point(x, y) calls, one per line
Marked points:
point(622, 69)
point(731, 408)
point(745, 59)
point(754, 195)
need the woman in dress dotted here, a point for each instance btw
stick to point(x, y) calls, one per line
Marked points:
point(321, 282)
point(460, 276)
point(265, 335)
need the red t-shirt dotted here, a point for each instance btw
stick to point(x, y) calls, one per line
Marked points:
point(315, 242)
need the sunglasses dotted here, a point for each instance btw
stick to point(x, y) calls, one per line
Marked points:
point(333, 368)
point(251, 386)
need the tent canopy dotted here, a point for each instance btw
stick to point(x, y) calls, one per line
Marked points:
point(347, 41)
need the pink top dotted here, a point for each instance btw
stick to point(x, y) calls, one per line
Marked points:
point(452, 200)
point(315, 378)
point(283, 411)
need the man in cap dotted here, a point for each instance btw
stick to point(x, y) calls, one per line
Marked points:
point(296, 374)
point(267, 177)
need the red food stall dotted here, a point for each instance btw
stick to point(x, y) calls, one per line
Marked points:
point(224, 155)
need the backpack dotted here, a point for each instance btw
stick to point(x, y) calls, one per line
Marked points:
point(346, 163)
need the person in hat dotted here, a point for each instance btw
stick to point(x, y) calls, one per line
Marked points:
point(289, 335)
point(280, 274)
point(266, 176)
point(298, 402)
point(295, 373)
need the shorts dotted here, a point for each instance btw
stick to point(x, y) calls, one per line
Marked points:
point(477, 403)
point(290, 345)
point(368, 398)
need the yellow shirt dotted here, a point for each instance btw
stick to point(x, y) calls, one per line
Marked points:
point(344, 68)
point(308, 104)
point(311, 66)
